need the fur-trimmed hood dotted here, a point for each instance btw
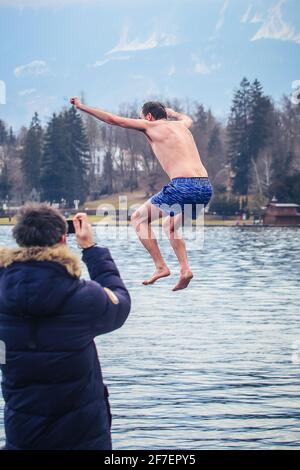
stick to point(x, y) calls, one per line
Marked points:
point(58, 253)
point(36, 281)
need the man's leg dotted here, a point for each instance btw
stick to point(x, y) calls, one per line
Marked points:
point(141, 220)
point(171, 226)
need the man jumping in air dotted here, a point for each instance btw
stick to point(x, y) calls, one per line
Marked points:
point(175, 148)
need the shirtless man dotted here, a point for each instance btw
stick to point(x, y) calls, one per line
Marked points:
point(175, 148)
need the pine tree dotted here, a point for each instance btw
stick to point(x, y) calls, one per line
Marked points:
point(11, 137)
point(214, 146)
point(3, 133)
point(80, 158)
point(238, 133)
point(5, 184)
point(32, 153)
point(107, 185)
point(53, 165)
point(260, 107)
point(248, 131)
point(107, 176)
point(65, 159)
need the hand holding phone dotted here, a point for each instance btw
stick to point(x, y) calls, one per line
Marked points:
point(83, 230)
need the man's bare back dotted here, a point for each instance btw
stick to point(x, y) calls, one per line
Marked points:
point(174, 146)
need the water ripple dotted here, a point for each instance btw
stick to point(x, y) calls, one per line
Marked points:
point(209, 367)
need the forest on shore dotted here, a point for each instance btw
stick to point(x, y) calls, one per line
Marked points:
point(251, 157)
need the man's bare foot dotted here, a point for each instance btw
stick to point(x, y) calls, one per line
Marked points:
point(185, 277)
point(159, 272)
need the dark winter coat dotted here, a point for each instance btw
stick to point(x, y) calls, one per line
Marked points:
point(52, 382)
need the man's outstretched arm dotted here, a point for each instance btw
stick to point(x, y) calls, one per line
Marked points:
point(110, 118)
point(187, 120)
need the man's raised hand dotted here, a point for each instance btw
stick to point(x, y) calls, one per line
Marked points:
point(171, 113)
point(75, 101)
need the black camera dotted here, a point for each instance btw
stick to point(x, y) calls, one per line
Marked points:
point(71, 228)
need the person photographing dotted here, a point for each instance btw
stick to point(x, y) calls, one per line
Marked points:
point(52, 384)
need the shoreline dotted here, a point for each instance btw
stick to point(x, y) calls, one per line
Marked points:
point(95, 224)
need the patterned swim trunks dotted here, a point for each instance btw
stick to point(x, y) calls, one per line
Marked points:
point(182, 195)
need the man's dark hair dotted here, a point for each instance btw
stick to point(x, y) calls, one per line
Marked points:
point(39, 225)
point(157, 110)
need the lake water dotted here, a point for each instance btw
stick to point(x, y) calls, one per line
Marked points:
point(216, 365)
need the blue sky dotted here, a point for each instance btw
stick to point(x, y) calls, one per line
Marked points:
point(119, 51)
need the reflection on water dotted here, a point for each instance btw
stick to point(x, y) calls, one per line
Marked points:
point(212, 366)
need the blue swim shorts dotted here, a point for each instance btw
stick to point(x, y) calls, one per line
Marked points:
point(183, 195)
